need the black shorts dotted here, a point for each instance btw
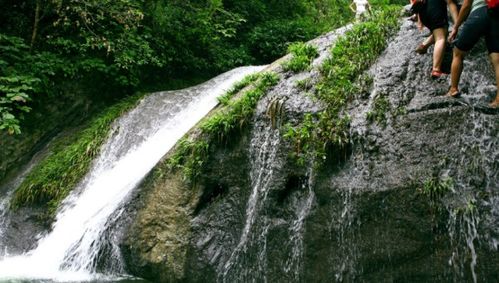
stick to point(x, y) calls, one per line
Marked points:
point(434, 14)
point(479, 24)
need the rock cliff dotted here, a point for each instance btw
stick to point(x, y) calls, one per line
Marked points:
point(414, 198)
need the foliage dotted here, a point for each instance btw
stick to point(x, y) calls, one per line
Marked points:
point(271, 39)
point(302, 56)
point(15, 88)
point(468, 209)
point(238, 112)
point(304, 84)
point(380, 108)
point(15, 94)
point(190, 155)
point(225, 99)
point(435, 188)
point(350, 56)
point(54, 178)
point(116, 47)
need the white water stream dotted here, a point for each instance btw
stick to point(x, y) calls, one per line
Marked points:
point(140, 139)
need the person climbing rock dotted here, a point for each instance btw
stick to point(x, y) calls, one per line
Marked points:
point(454, 7)
point(361, 7)
point(472, 24)
point(433, 15)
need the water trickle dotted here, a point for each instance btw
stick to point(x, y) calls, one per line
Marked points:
point(463, 233)
point(139, 139)
point(345, 238)
point(476, 175)
point(264, 148)
point(295, 263)
point(4, 220)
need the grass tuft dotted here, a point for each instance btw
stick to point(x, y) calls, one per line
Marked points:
point(302, 56)
point(351, 55)
point(246, 81)
point(191, 155)
point(380, 109)
point(54, 177)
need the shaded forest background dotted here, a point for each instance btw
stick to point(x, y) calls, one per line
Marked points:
point(55, 54)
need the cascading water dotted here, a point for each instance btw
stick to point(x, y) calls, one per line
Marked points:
point(297, 229)
point(345, 237)
point(4, 220)
point(138, 141)
point(265, 145)
point(477, 175)
point(252, 259)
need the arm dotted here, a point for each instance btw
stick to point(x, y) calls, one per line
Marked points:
point(453, 10)
point(463, 15)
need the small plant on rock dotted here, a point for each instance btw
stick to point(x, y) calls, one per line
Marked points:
point(303, 56)
point(380, 108)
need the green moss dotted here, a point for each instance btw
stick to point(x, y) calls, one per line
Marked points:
point(191, 154)
point(351, 55)
point(54, 177)
point(380, 108)
point(224, 99)
point(435, 188)
point(302, 56)
point(304, 84)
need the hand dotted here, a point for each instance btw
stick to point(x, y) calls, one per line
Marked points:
point(452, 35)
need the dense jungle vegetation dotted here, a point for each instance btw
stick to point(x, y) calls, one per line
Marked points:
point(59, 50)
point(110, 49)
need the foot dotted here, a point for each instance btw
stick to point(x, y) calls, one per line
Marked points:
point(435, 74)
point(495, 103)
point(422, 49)
point(453, 92)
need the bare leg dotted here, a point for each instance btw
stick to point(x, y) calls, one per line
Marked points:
point(440, 35)
point(429, 41)
point(494, 57)
point(456, 70)
point(423, 47)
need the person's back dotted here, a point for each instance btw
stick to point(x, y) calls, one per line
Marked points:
point(361, 7)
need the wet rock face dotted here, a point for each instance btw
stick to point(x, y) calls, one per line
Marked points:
point(382, 227)
point(416, 199)
point(24, 230)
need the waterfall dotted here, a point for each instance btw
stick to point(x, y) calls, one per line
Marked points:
point(4, 220)
point(478, 174)
point(264, 148)
point(137, 142)
point(249, 261)
point(295, 263)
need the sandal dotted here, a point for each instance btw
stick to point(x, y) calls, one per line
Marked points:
point(435, 74)
point(453, 94)
point(422, 49)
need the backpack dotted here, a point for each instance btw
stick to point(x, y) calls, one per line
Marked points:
point(493, 8)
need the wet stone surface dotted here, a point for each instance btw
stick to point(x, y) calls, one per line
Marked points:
point(366, 218)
